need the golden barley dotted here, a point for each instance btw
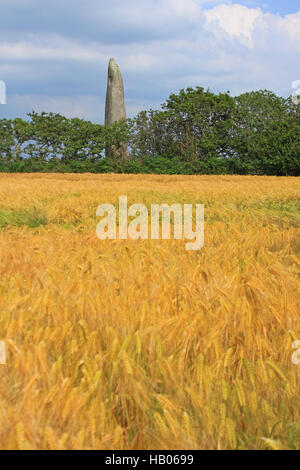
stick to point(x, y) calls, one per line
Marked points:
point(123, 344)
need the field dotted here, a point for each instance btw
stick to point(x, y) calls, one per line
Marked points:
point(141, 344)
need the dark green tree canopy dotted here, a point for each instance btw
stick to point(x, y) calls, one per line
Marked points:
point(195, 131)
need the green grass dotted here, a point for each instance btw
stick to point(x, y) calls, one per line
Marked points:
point(17, 218)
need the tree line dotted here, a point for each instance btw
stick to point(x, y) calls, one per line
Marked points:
point(194, 132)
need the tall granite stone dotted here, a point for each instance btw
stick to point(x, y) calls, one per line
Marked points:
point(115, 109)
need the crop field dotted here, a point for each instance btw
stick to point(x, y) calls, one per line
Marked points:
point(140, 344)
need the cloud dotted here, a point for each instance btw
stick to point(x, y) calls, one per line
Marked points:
point(109, 22)
point(49, 47)
point(236, 20)
point(54, 55)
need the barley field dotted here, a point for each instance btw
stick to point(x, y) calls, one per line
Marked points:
point(123, 344)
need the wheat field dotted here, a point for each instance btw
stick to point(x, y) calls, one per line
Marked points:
point(123, 344)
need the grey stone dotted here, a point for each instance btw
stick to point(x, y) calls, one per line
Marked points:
point(115, 109)
point(115, 103)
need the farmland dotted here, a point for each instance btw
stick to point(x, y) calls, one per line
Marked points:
point(123, 344)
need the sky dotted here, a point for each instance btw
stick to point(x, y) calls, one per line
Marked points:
point(54, 54)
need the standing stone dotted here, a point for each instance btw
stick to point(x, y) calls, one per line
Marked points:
point(115, 104)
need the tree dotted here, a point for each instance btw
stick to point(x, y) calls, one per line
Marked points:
point(265, 133)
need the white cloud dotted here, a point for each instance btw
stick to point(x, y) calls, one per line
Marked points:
point(160, 45)
point(236, 20)
point(50, 47)
point(284, 29)
point(244, 24)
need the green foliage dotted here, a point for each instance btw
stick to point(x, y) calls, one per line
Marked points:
point(195, 131)
point(266, 135)
point(193, 125)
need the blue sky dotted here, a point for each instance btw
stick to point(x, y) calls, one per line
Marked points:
point(54, 54)
point(280, 7)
